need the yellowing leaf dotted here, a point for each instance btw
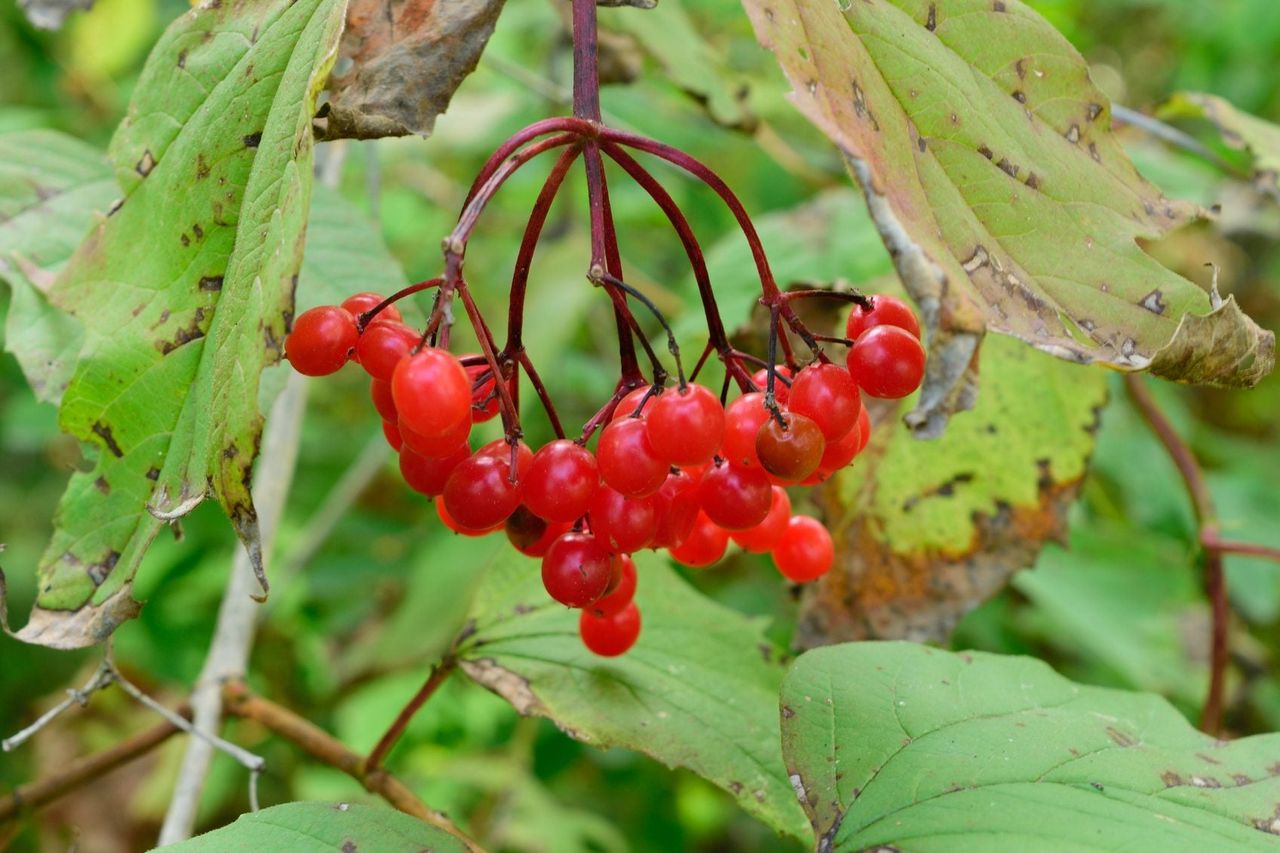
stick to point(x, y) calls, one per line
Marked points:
point(985, 155)
point(182, 291)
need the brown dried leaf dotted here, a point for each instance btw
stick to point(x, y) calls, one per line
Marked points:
point(407, 59)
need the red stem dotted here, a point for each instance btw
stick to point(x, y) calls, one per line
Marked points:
point(529, 245)
point(715, 326)
point(586, 71)
point(565, 124)
point(1206, 519)
point(604, 256)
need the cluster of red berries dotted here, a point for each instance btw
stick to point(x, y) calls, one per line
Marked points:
point(673, 468)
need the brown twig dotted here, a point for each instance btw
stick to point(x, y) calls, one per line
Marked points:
point(322, 746)
point(1215, 582)
point(439, 673)
point(37, 794)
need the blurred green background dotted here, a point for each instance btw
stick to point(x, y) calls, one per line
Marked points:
point(362, 607)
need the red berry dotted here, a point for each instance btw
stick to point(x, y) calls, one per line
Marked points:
point(428, 475)
point(442, 445)
point(685, 425)
point(554, 530)
point(805, 552)
point(887, 362)
point(382, 346)
point(827, 394)
point(621, 594)
point(735, 498)
point(610, 636)
point(359, 303)
point(677, 509)
point(742, 422)
point(484, 402)
point(501, 449)
point(766, 535)
point(885, 311)
point(840, 453)
point(380, 391)
point(790, 450)
point(627, 460)
point(781, 390)
point(524, 528)
point(577, 569)
point(561, 480)
point(623, 524)
point(627, 405)
point(453, 525)
point(431, 393)
point(479, 493)
point(704, 545)
point(863, 429)
point(392, 433)
point(322, 340)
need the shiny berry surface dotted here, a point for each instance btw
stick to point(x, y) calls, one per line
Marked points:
point(685, 425)
point(805, 551)
point(735, 498)
point(322, 340)
point(627, 460)
point(561, 480)
point(742, 422)
point(887, 362)
point(610, 636)
point(479, 493)
point(827, 394)
point(382, 346)
point(885, 311)
point(431, 393)
point(792, 448)
point(577, 569)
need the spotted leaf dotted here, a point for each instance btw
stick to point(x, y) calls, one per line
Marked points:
point(985, 154)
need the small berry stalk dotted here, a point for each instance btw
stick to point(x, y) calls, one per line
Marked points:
point(678, 467)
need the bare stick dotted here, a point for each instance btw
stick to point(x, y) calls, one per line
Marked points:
point(82, 771)
point(228, 655)
point(101, 678)
point(322, 746)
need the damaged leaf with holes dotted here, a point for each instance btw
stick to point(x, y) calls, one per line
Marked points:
point(714, 712)
point(899, 746)
point(985, 154)
point(182, 291)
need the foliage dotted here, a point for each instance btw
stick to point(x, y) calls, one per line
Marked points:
point(531, 743)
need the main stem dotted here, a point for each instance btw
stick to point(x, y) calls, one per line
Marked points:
point(586, 64)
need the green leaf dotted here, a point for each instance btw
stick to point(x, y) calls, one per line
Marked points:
point(698, 690)
point(1239, 130)
point(183, 292)
point(985, 156)
point(903, 746)
point(51, 188)
point(927, 530)
point(325, 826)
point(1125, 603)
point(345, 254)
point(667, 34)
